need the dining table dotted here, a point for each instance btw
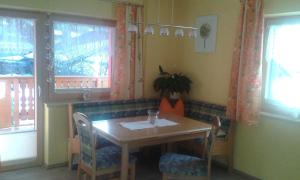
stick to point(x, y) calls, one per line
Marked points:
point(135, 132)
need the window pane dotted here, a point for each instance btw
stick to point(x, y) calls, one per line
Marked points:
point(283, 57)
point(16, 46)
point(82, 55)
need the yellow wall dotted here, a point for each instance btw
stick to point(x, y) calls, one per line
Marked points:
point(270, 151)
point(56, 134)
point(159, 51)
point(93, 8)
point(282, 7)
point(210, 72)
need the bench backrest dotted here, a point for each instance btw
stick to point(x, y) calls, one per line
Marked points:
point(138, 107)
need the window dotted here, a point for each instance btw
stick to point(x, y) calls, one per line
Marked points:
point(83, 54)
point(16, 46)
point(282, 64)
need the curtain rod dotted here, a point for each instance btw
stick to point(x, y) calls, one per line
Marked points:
point(124, 2)
point(130, 4)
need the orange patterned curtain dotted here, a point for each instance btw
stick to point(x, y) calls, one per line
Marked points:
point(127, 70)
point(245, 87)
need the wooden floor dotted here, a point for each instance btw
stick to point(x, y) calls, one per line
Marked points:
point(143, 173)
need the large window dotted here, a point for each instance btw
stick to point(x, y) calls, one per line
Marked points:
point(282, 64)
point(16, 46)
point(83, 53)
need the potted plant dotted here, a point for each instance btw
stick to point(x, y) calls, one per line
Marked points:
point(171, 85)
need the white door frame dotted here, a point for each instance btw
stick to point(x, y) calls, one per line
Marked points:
point(39, 75)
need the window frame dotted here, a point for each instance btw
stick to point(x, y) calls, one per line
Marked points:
point(271, 106)
point(87, 21)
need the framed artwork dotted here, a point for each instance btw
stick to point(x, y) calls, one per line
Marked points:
point(207, 36)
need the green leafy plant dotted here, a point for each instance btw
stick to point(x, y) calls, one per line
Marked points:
point(167, 83)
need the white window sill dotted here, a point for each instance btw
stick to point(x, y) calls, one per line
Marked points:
point(279, 117)
point(91, 90)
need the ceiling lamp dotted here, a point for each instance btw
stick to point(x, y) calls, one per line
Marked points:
point(193, 33)
point(179, 32)
point(164, 29)
point(149, 29)
point(132, 28)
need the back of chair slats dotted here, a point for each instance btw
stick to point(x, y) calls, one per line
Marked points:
point(216, 124)
point(85, 133)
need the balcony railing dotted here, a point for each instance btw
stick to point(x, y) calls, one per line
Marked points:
point(16, 101)
point(63, 82)
point(17, 97)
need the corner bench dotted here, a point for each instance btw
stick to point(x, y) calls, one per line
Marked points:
point(197, 110)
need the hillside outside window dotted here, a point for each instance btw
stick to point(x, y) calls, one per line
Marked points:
point(82, 55)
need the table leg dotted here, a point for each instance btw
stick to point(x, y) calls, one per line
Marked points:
point(124, 166)
point(169, 147)
point(205, 144)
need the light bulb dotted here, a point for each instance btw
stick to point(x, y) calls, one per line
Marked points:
point(193, 33)
point(149, 30)
point(132, 28)
point(179, 32)
point(164, 31)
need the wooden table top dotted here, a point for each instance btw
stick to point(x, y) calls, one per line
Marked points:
point(112, 128)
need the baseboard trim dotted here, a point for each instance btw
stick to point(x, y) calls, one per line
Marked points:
point(235, 171)
point(55, 165)
point(19, 166)
point(245, 175)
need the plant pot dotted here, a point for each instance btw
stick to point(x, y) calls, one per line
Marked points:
point(171, 106)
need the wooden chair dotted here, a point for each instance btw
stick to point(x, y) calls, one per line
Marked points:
point(223, 146)
point(95, 162)
point(179, 166)
point(73, 140)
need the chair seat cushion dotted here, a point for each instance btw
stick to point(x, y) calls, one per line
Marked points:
point(110, 156)
point(185, 165)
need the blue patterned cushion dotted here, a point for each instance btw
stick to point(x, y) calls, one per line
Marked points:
point(110, 156)
point(178, 164)
point(205, 111)
point(102, 142)
point(86, 149)
point(116, 108)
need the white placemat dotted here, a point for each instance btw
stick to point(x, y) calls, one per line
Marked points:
point(146, 124)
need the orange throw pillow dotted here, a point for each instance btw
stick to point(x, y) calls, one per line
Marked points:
point(166, 108)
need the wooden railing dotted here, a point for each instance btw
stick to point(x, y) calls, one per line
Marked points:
point(16, 100)
point(63, 82)
point(17, 96)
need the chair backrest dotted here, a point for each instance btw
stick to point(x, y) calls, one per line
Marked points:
point(216, 124)
point(86, 137)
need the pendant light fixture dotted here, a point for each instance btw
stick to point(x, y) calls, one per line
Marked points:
point(164, 29)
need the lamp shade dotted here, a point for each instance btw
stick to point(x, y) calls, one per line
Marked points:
point(149, 30)
point(132, 28)
point(179, 32)
point(193, 33)
point(164, 31)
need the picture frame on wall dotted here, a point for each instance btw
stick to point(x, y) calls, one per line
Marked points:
point(207, 36)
